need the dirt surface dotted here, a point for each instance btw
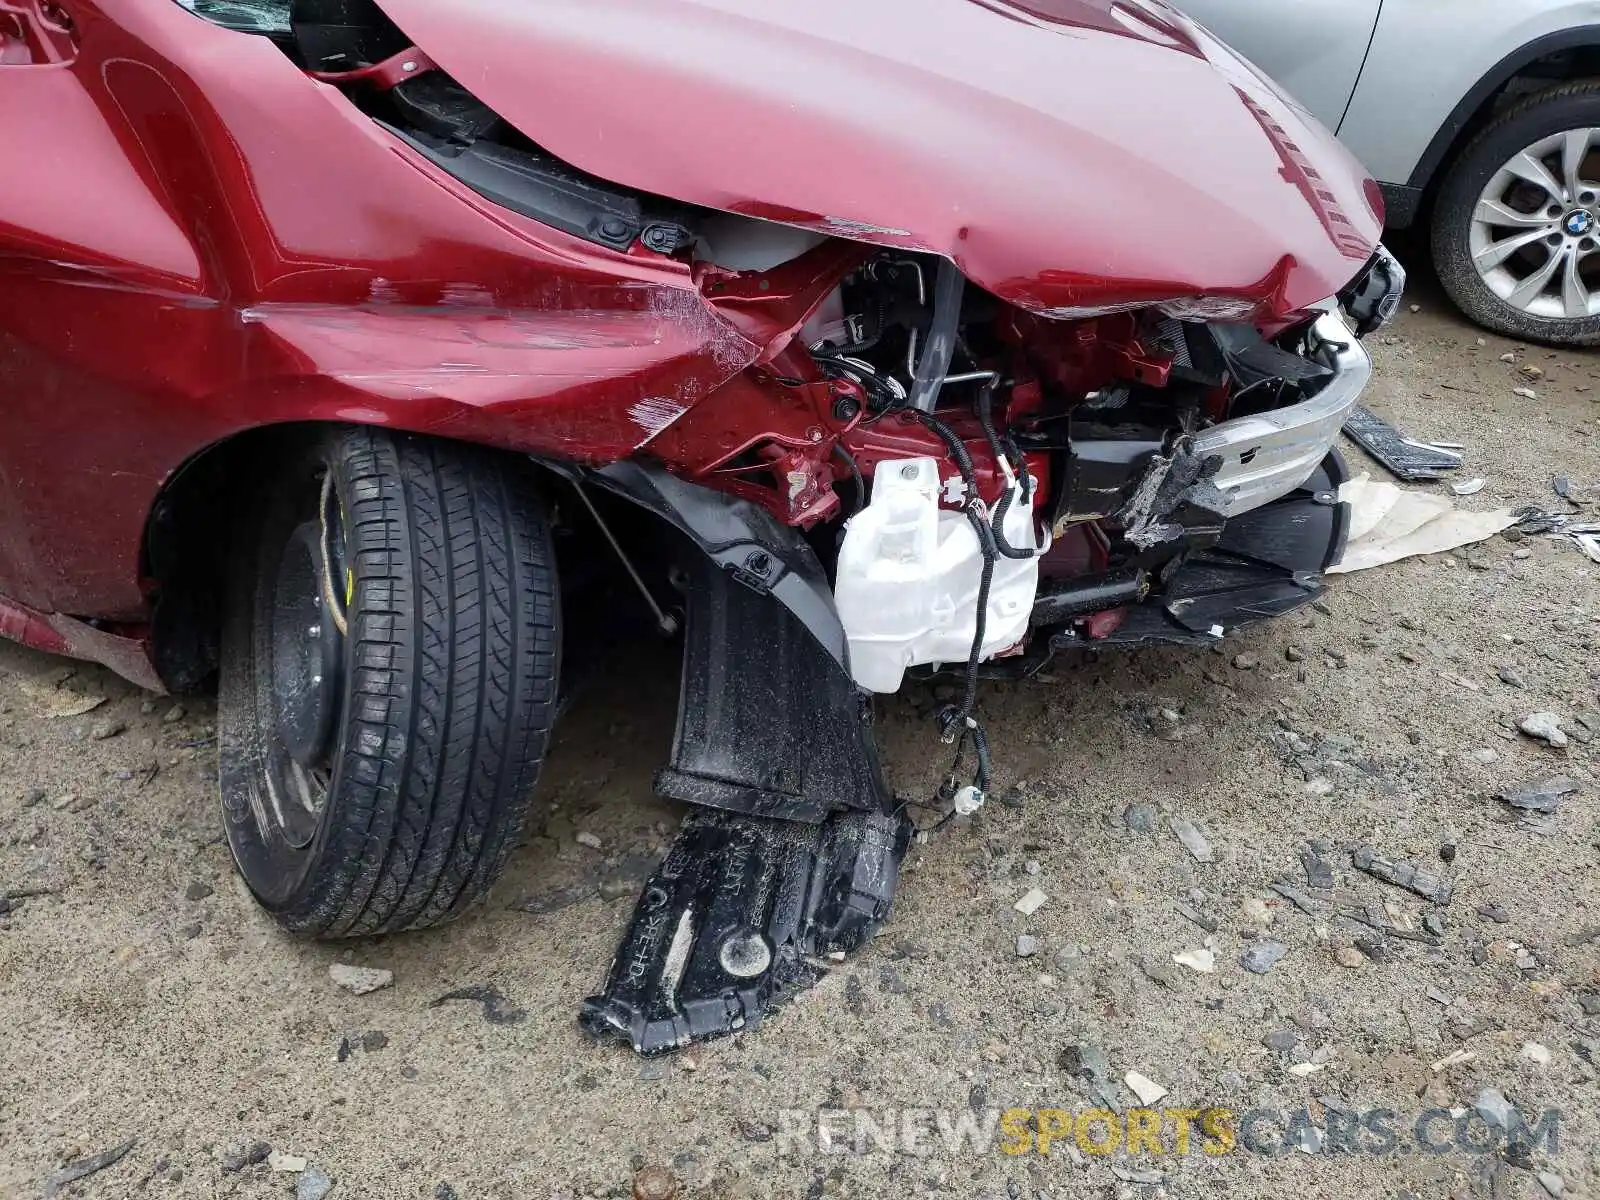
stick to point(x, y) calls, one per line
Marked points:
point(143, 998)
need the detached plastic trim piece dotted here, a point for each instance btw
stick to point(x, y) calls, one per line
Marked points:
point(1409, 460)
point(735, 919)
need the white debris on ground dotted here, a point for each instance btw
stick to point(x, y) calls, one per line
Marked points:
point(1388, 523)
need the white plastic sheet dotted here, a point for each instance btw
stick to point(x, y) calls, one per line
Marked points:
point(1388, 523)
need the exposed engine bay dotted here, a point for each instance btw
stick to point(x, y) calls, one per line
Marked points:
point(1089, 431)
point(1007, 486)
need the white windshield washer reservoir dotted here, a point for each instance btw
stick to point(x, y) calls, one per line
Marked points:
point(908, 576)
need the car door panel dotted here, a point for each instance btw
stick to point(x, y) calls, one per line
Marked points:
point(1427, 55)
point(1313, 48)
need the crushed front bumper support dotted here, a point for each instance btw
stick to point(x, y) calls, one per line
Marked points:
point(1270, 454)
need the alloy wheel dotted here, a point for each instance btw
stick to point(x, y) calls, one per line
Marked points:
point(1535, 233)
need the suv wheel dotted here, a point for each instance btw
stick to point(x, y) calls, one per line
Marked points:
point(389, 662)
point(1516, 231)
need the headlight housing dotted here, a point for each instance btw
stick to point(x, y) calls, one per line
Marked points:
point(1373, 297)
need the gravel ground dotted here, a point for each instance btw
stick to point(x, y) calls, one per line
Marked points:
point(143, 998)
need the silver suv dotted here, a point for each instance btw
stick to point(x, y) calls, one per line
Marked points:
point(1479, 117)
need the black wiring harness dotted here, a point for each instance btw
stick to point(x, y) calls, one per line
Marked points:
point(958, 723)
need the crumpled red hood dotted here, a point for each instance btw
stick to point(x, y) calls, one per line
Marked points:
point(1067, 154)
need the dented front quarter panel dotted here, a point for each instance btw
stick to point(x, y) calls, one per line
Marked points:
point(197, 239)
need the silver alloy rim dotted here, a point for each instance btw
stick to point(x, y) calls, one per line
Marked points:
point(1536, 228)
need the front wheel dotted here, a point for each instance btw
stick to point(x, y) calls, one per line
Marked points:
point(389, 664)
point(1516, 230)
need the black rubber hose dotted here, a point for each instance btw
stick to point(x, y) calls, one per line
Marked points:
point(958, 448)
point(1021, 460)
point(961, 723)
point(980, 743)
point(998, 522)
point(855, 475)
point(985, 534)
point(973, 509)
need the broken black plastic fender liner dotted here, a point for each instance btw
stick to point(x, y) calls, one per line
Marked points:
point(735, 918)
point(769, 723)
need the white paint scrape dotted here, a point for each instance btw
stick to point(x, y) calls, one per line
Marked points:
point(655, 413)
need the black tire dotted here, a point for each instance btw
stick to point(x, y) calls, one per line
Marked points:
point(442, 693)
point(1573, 106)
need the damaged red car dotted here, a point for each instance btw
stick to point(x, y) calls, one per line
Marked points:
point(374, 359)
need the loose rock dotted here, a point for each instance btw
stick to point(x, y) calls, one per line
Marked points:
point(102, 730)
point(1403, 874)
point(244, 1155)
point(1261, 957)
point(1147, 1090)
point(1140, 818)
point(1536, 1053)
point(314, 1183)
point(1494, 1108)
point(1319, 871)
point(1256, 912)
point(1349, 956)
point(1085, 1060)
point(197, 891)
point(1203, 961)
point(654, 1183)
point(1193, 840)
point(1030, 902)
point(1544, 796)
point(1546, 726)
point(1282, 1040)
point(1027, 945)
point(360, 980)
